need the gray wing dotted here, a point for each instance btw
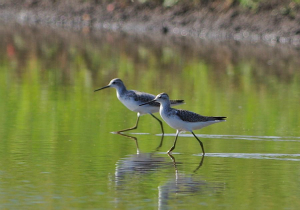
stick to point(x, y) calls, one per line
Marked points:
point(191, 116)
point(194, 117)
point(144, 97)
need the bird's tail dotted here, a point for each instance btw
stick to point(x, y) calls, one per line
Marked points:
point(216, 118)
point(176, 102)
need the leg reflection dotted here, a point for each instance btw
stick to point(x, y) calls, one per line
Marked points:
point(200, 164)
point(136, 141)
point(134, 138)
point(174, 162)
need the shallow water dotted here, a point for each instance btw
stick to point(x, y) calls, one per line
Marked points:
point(58, 150)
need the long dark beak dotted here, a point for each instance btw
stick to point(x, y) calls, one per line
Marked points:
point(147, 102)
point(102, 88)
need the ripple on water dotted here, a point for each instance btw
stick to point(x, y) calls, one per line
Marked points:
point(287, 157)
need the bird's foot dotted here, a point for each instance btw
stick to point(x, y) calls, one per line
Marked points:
point(116, 132)
point(170, 151)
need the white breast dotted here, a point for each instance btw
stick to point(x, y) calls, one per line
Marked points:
point(175, 122)
point(133, 105)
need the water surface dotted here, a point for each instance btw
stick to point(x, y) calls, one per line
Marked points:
point(57, 150)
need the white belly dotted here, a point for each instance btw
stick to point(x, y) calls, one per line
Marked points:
point(134, 106)
point(175, 122)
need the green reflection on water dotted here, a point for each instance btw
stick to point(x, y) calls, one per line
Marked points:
point(57, 150)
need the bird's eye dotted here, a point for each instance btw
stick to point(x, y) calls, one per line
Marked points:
point(114, 82)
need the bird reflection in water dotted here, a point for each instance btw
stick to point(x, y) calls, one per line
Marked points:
point(139, 173)
point(181, 184)
point(175, 165)
point(134, 174)
point(136, 165)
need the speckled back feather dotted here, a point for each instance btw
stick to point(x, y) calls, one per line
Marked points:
point(194, 117)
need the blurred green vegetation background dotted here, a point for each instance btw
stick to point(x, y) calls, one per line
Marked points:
point(56, 146)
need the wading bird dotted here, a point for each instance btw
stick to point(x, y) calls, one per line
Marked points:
point(132, 99)
point(182, 120)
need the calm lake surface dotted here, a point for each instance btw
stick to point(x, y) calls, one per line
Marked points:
point(57, 149)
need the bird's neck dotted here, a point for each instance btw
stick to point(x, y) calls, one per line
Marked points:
point(165, 107)
point(121, 90)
